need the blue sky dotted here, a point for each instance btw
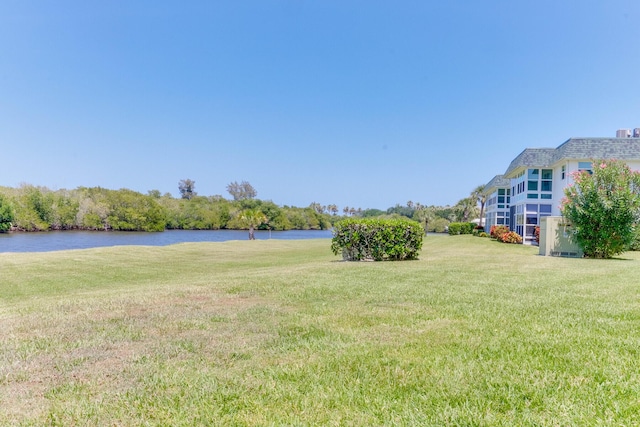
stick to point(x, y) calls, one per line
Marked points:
point(358, 103)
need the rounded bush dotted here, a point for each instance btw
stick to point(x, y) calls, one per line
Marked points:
point(377, 239)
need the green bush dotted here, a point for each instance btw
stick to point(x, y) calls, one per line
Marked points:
point(604, 208)
point(456, 228)
point(377, 239)
point(635, 244)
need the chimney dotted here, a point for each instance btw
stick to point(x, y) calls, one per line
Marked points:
point(623, 133)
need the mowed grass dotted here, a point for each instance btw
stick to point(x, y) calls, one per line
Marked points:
point(475, 333)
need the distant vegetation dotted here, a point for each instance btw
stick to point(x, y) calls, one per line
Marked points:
point(35, 208)
point(30, 208)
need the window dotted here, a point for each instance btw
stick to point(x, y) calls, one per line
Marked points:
point(547, 174)
point(545, 208)
point(532, 196)
point(585, 166)
point(545, 186)
point(564, 170)
point(534, 174)
point(545, 196)
point(501, 192)
point(532, 185)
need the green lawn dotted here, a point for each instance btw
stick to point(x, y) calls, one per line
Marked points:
point(475, 333)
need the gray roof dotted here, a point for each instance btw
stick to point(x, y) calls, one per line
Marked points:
point(532, 157)
point(579, 149)
point(498, 181)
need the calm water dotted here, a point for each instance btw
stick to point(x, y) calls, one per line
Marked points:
point(62, 240)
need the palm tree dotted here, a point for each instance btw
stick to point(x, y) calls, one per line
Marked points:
point(464, 209)
point(479, 194)
point(253, 218)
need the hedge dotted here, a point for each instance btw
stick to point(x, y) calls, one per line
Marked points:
point(377, 239)
point(456, 228)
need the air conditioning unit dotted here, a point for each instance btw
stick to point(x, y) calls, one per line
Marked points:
point(623, 133)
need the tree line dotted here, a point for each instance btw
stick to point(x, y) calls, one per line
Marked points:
point(36, 208)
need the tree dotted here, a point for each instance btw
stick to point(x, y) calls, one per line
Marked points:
point(481, 197)
point(253, 218)
point(603, 208)
point(242, 191)
point(187, 188)
point(6, 214)
point(465, 209)
point(424, 215)
point(317, 207)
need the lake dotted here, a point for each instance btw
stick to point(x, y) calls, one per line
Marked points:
point(62, 240)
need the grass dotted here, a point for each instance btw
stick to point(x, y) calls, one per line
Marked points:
point(475, 333)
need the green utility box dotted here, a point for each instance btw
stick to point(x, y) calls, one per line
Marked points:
point(555, 239)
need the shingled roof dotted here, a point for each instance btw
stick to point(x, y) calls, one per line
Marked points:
point(532, 157)
point(498, 181)
point(578, 148)
point(599, 148)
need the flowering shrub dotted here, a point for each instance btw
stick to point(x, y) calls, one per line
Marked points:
point(496, 231)
point(510, 237)
point(603, 208)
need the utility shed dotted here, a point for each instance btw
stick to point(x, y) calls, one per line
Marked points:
point(555, 238)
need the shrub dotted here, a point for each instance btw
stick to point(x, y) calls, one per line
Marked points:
point(456, 228)
point(377, 239)
point(483, 234)
point(635, 244)
point(510, 237)
point(496, 231)
point(603, 207)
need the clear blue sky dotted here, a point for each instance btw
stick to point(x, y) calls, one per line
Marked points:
point(358, 103)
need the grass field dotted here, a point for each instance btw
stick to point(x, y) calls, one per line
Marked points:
point(475, 333)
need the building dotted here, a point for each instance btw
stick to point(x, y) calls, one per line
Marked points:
point(496, 208)
point(538, 176)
